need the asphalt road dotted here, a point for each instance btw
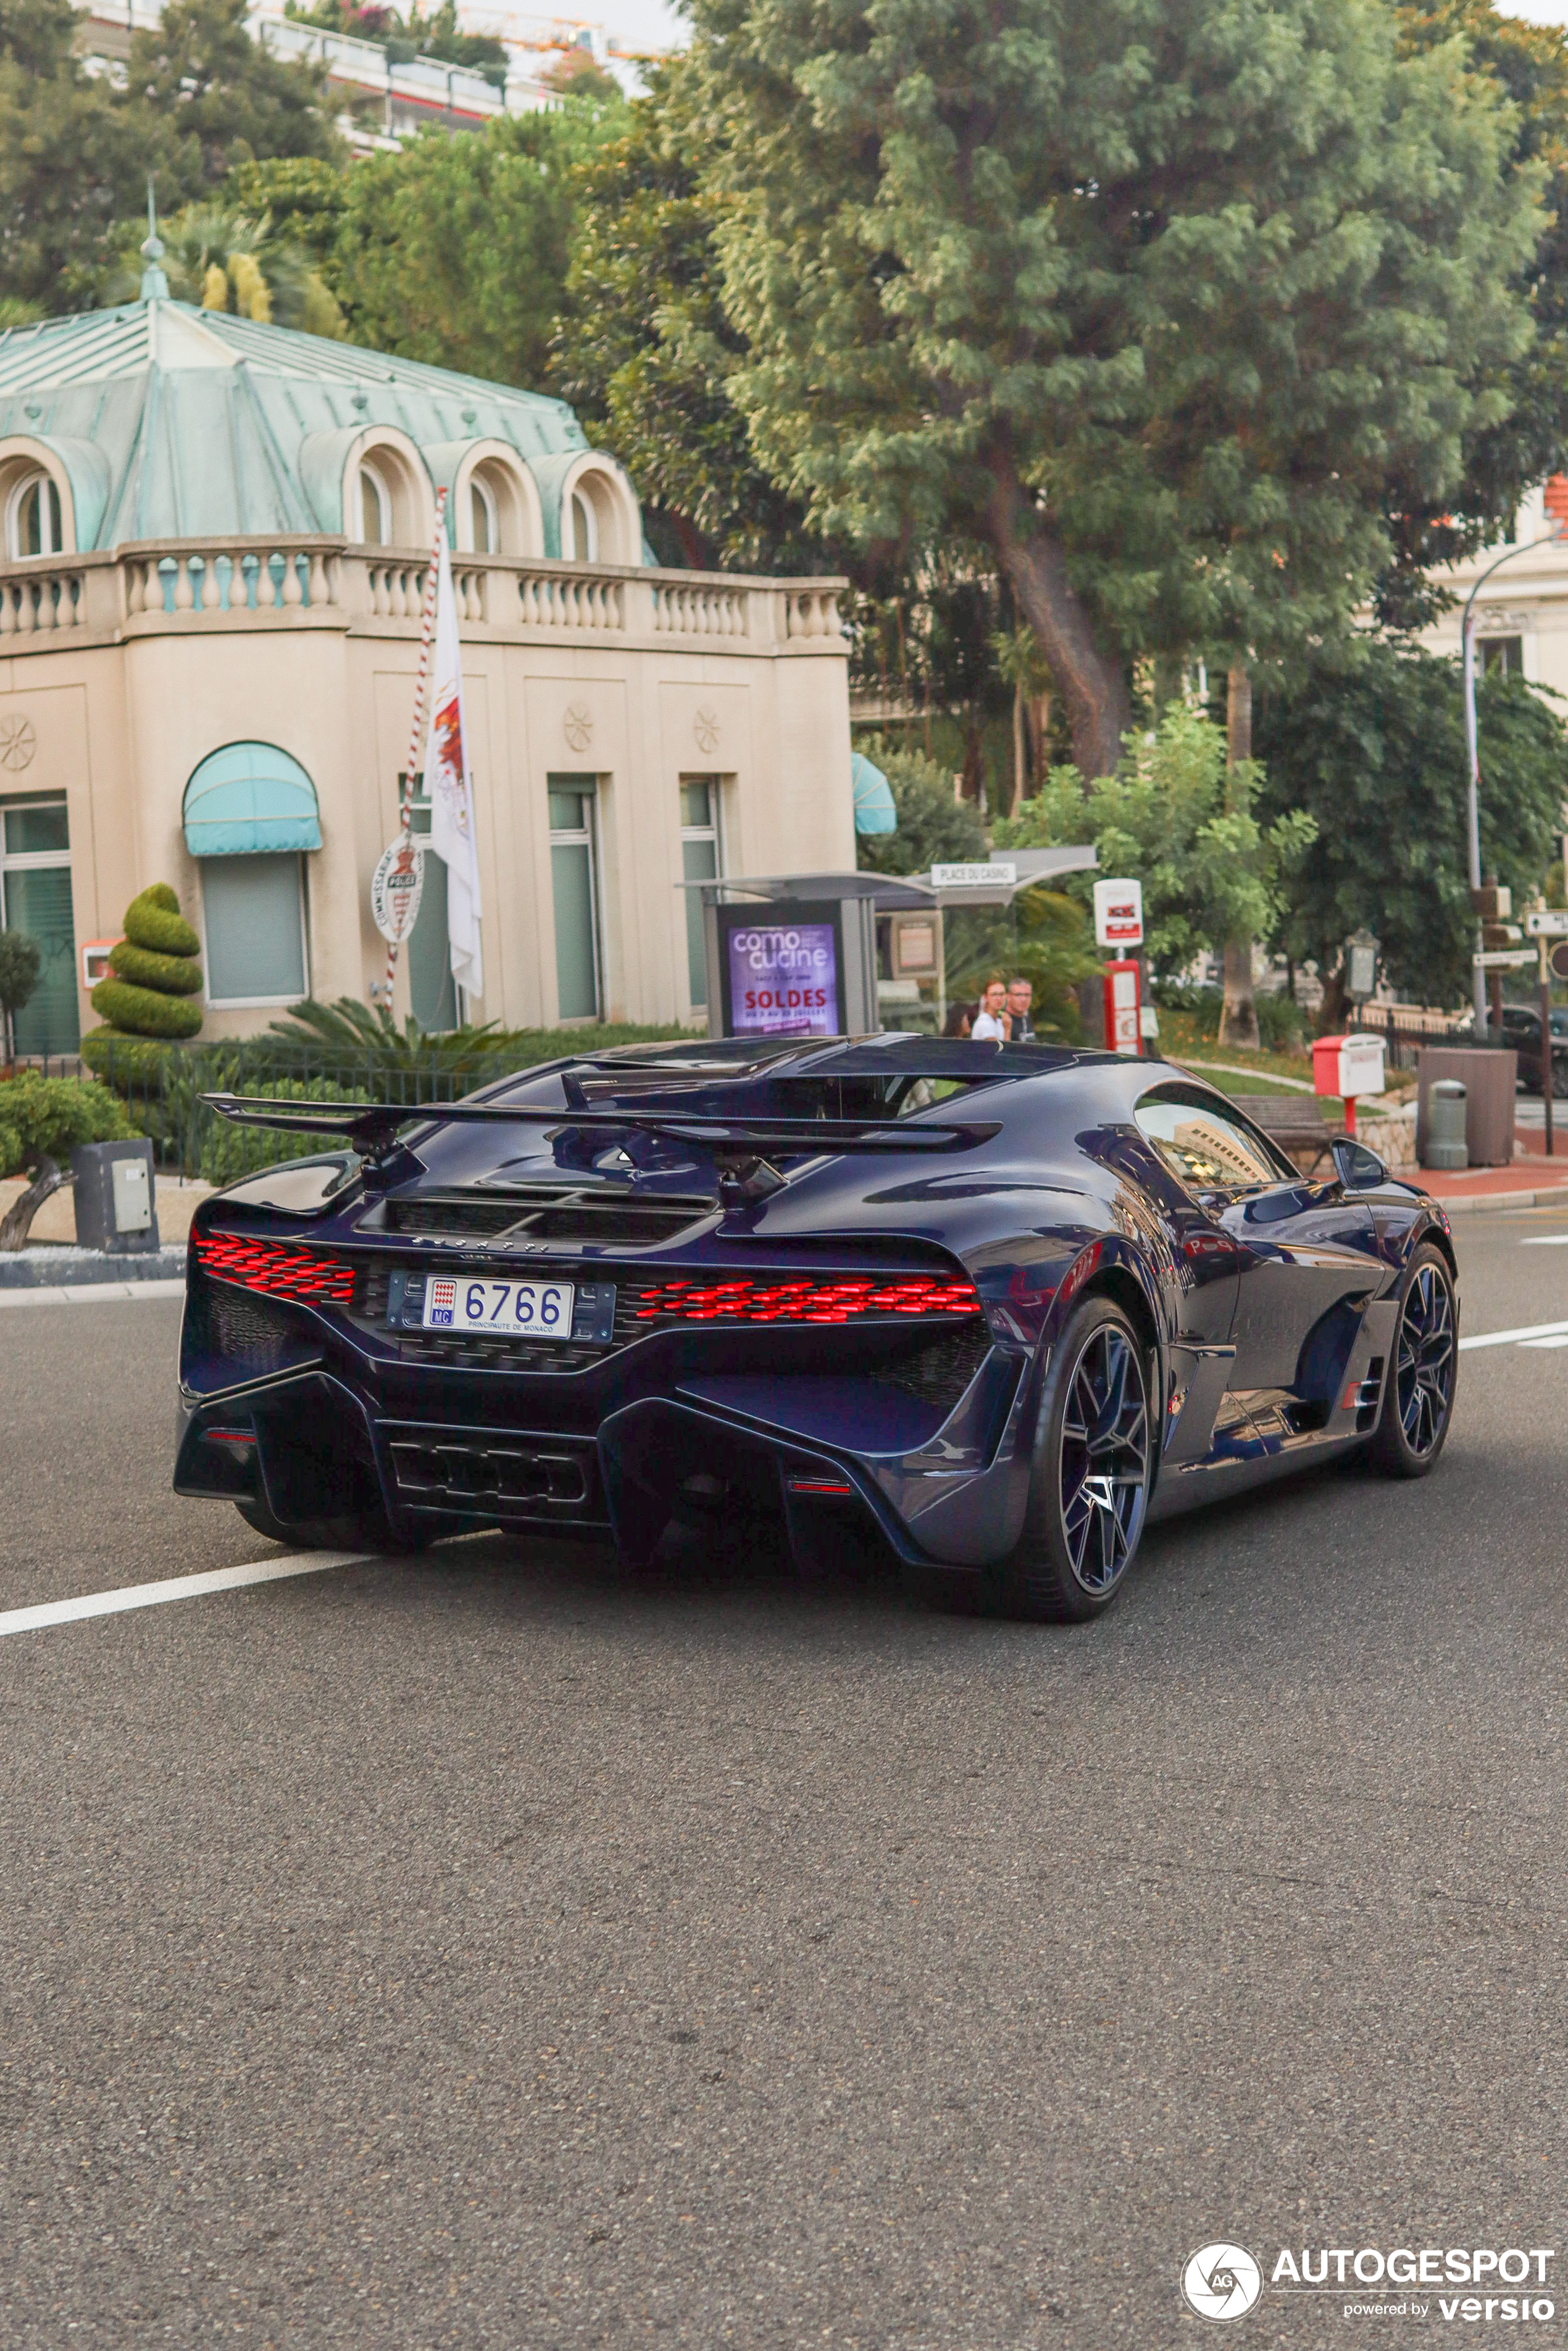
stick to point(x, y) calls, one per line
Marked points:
point(484, 1950)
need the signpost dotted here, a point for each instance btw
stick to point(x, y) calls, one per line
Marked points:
point(1119, 926)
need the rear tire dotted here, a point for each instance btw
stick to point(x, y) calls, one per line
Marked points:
point(1419, 1387)
point(1089, 1487)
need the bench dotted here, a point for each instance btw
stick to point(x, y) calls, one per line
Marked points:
point(1295, 1122)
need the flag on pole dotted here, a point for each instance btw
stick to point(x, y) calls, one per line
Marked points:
point(449, 786)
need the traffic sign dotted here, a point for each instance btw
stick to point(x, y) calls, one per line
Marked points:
point(1557, 959)
point(1503, 958)
point(1548, 923)
point(1119, 914)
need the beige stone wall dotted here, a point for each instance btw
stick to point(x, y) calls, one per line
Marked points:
point(126, 704)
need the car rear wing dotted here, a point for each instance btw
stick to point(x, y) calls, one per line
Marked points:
point(736, 1143)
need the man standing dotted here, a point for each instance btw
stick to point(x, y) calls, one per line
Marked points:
point(1020, 995)
point(991, 1023)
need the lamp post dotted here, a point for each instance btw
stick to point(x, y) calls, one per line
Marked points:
point(1468, 646)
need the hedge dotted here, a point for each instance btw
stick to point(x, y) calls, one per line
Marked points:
point(230, 1152)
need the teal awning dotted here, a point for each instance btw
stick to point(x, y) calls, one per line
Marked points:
point(875, 811)
point(250, 800)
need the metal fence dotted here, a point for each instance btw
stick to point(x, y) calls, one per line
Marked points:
point(1406, 1027)
point(161, 1089)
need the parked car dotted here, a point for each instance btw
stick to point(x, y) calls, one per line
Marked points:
point(1001, 1302)
point(1521, 1030)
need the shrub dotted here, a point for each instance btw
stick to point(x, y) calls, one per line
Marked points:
point(154, 976)
point(20, 963)
point(143, 1012)
point(171, 975)
point(129, 1063)
point(154, 921)
point(229, 1152)
point(1280, 1023)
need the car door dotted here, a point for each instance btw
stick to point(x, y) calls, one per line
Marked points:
point(1303, 1250)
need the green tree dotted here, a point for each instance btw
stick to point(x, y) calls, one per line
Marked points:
point(20, 963)
point(1152, 297)
point(1373, 748)
point(225, 259)
point(1502, 459)
point(218, 98)
point(933, 829)
point(1191, 825)
point(645, 352)
point(70, 162)
point(454, 252)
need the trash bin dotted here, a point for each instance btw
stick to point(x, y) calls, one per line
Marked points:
point(1446, 1114)
point(116, 1204)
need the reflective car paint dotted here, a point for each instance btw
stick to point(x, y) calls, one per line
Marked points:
point(1267, 1317)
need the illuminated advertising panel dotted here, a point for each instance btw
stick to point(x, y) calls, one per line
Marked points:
point(781, 970)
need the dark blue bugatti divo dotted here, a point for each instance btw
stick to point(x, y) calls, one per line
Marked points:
point(1003, 1302)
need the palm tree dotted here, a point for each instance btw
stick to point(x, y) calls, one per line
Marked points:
point(1023, 664)
point(229, 260)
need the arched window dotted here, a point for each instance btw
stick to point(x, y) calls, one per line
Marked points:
point(375, 506)
point(484, 522)
point(33, 518)
point(495, 506)
point(584, 528)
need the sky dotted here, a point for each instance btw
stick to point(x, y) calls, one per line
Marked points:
point(652, 24)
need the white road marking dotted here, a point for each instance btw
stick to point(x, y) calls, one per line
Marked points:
point(1544, 1240)
point(88, 1293)
point(1514, 1338)
point(175, 1587)
point(1561, 1342)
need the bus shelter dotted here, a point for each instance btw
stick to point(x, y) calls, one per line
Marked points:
point(833, 955)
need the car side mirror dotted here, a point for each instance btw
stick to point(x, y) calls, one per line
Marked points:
point(1358, 1169)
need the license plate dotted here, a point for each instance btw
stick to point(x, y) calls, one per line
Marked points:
point(540, 1310)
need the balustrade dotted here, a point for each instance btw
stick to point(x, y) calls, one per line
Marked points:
point(37, 603)
point(683, 609)
point(238, 578)
point(571, 600)
point(811, 612)
point(207, 581)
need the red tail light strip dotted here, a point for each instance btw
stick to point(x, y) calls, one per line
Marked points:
point(275, 1268)
point(803, 1300)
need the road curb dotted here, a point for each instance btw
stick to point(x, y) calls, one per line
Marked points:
point(70, 1268)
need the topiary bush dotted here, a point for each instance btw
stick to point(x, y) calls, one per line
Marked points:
point(42, 1120)
point(153, 920)
point(21, 960)
point(154, 976)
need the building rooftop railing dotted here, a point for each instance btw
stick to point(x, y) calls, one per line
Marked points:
point(238, 582)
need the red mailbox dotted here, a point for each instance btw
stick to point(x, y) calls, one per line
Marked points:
point(1347, 1066)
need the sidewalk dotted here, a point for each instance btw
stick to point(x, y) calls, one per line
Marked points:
point(1526, 1184)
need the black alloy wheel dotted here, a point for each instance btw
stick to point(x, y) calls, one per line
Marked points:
point(1419, 1387)
point(1092, 1468)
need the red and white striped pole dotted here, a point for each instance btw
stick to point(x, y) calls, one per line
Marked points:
point(426, 628)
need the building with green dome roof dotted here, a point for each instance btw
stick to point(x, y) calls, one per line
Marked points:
point(215, 536)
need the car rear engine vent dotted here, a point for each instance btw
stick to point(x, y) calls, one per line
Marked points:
point(557, 1212)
